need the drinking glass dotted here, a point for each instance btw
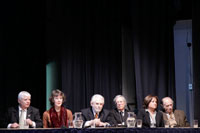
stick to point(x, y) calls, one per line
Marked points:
point(195, 123)
point(26, 125)
point(70, 124)
point(166, 124)
point(139, 123)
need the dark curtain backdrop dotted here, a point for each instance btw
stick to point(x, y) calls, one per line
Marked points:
point(22, 56)
point(148, 26)
point(89, 37)
point(196, 56)
point(90, 40)
point(85, 39)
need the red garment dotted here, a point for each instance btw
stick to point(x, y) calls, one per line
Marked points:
point(58, 122)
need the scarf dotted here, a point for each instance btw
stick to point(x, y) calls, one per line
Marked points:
point(57, 122)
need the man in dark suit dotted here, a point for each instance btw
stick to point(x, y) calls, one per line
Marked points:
point(175, 118)
point(120, 113)
point(96, 115)
point(24, 114)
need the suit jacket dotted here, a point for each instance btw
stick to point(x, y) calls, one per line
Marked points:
point(32, 113)
point(115, 117)
point(144, 115)
point(87, 115)
point(180, 118)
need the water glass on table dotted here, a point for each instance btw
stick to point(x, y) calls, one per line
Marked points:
point(166, 123)
point(195, 123)
point(70, 124)
point(139, 123)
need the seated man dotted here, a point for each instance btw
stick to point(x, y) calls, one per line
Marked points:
point(119, 114)
point(96, 114)
point(24, 113)
point(176, 118)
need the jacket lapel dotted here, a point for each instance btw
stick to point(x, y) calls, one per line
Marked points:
point(29, 112)
point(147, 117)
point(101, 115)
point(176, 115)
point(126, 114)
point(119, 117)
point(157, 119)
point(16, 113)
point(90, 114)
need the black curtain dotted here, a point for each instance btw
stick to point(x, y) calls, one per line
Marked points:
point(196, 56)
point(89, 37)
point(85, 39)
point(22, 54)
point(148, 26)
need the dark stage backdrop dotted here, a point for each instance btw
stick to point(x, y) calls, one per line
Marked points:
point(22, 53)
point(85, 39)
point(90, 41)
point(148, 26)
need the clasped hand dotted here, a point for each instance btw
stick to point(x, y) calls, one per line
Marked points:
point(16, 125)
point(98, 123)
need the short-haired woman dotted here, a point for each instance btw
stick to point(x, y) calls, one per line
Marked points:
point(149, 115)
point(57, 116)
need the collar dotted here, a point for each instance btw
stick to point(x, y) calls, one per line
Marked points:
point(147, 110)
point(121, 111)
point(20, 109)
point(169, 114)
point(94, 112)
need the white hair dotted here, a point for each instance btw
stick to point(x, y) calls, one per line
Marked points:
point(167, 98)
point(95, 97)
point(22, 94)
point(118, 96)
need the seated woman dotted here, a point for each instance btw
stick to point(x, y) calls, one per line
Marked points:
point(149, 115)
point(57, 116)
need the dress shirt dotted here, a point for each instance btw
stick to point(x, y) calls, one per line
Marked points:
point(152, 117)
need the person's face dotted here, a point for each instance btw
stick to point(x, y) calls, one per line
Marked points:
point(153, 104)
point(24, 102)
point(97, 105)
point(120, 103)
point(58, 101)
point(168, 105)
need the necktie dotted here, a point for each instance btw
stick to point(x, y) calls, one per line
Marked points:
point(121, 115)
point(96, 116)
point(21, 119)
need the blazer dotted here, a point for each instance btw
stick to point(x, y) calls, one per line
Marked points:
point(180, 118)
point(47, 120)
point(144, 115)
point(33, 113)
point(87, 115)
point(116, 118)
